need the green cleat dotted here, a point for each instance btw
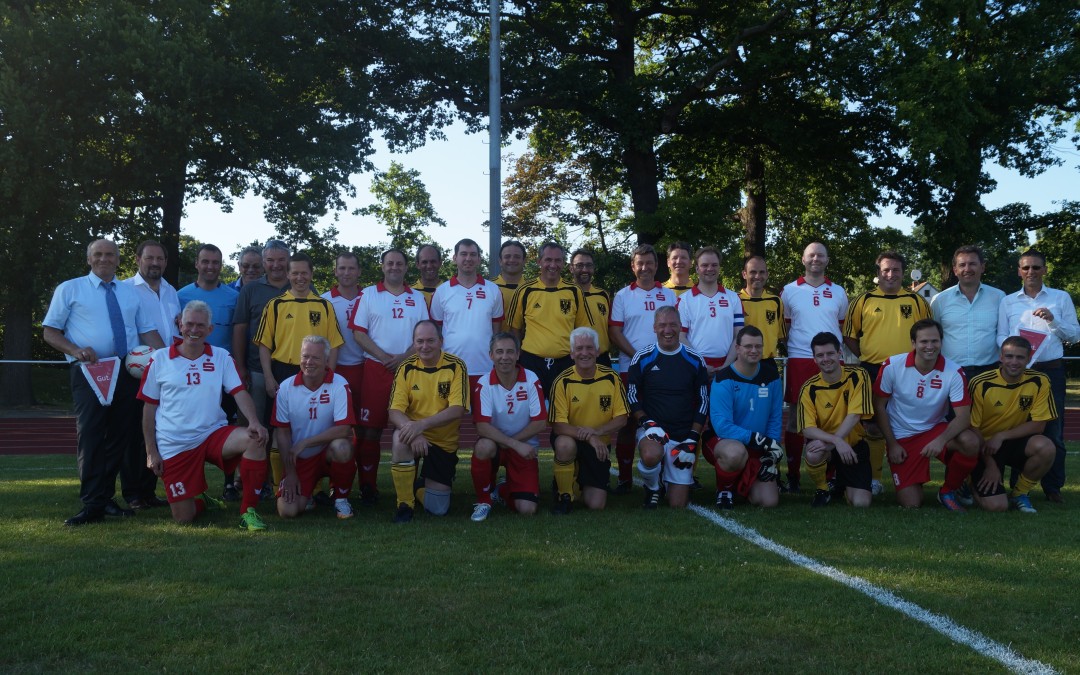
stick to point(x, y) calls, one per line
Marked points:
point(211, 503)
point(251, 521)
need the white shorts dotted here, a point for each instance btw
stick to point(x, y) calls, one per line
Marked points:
point(672, 475)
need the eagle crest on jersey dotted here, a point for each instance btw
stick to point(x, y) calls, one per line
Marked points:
point(605, 403)
point(602, 308)
point(564, 305)
point(444, 390)
point(770, 316)
point(1025, 402)
point(314, 318)
point(905, 311)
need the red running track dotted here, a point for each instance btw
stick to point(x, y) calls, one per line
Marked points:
point(56, 435)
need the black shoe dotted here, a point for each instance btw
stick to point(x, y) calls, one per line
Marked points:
point(369, 496)
point(231, 494)
point(1054, 497)
point(624, 487)
point(153, 501)
point(563, 506)
point(725, 501)
point(836, 489)
point(114, 511)
point(404, 514)
point(821, 498)
point(697, 485)
point(791, 487)
point(267, 493)
point(652, 499)
point(322, 499)
point(85, 517)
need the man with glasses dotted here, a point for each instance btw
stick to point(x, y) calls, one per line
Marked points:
point(251, 267)
point(582, 269)
point(1046, 317)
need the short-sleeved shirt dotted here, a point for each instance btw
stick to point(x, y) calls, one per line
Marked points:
point(420, 391)
point(388, 319)
point(249, 308)
point(710, 321)
point(188, 395)
point(809, 310)
point(632, 310)
point(825, 406)
point(969, 327)
point(466, 315)
point(587, 402)
point(918, 402)
point(287, 320)
point(765, 313)
point(740, 406)
point(427, 292)
point(222, 303)
point(350, 354)
point(547, 315)
point(507, 289)
point(509, 410)
point(997, 405)
point(882, 322)
point(79, 309)
point(309, 412)
point(599, 303)
point(163, 306)
point(671, 388)
point(678, 289)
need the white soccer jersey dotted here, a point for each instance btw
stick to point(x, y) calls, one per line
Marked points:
point(388, 319)
point(350, 353)
point(809, 310)
point(509, 410)
point(632, 310)
point(918, 402)
point(188, 395)
point(466, 316)
point(309, 412)
point(710, 322)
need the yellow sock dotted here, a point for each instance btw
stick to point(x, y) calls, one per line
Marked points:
point(277, 468)
point(404, 474)
point(564, 477)
point(817, 474)
point(1023, 486)
point(877, 456)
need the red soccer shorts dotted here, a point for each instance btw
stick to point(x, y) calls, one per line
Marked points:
point(354, 375)
point(915, 470)
point(184, 475)
point(375, 401)
point(798, 372)
point(522, 476)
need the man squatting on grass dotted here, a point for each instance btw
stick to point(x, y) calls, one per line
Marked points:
point(313, 419)
point(668, 394)
point(185, 427)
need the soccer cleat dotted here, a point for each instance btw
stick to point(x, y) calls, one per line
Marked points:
point(1021, 503)
point(480, 512)
point(821, 498)
point(963, 495)
point(697, 485)
point(343, 508)
point(876, 488)
point(369, 495)
point(211, 503)
point(267, 493)
point(725, 501)
point(231, 494)
point(652, 499)
point(322, 499)
point(563, 506)
point(624, 487)
point(496, 495)
point(791, 487)
point(251, 521)
point(948, 500)
point(404, 513)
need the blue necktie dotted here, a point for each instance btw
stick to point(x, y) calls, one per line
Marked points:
point(116, 320)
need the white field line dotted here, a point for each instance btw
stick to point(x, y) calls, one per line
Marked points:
point(942, 624)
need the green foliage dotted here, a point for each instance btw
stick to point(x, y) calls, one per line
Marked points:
point(403, 207)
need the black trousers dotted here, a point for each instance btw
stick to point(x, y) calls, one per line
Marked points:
point(137, 481)
point(104, 435)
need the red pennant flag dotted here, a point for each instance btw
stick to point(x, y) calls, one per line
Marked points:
point(102, 377)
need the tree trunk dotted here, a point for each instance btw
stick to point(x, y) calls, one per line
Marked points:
point(752, 215)
point(172, 210)
point(16, 386)
point(643, 175)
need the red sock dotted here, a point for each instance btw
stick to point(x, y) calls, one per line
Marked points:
point(624, 453)
point(957, 468)
point(793, 443)
point(368, 455)
point(253, 473)
point(726, 479)
point(200, 506)
point(481, 479)
point(341, 476)
point(707, 450)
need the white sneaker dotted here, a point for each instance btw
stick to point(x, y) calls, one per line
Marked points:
point(480, 512)
point(876, 488)
point(343, 508)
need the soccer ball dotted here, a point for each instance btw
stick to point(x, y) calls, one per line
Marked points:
point(138, 360)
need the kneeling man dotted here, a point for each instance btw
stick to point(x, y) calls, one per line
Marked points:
point(185, 427)
point(313, 418)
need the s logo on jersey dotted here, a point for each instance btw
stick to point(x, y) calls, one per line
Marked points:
point(324, 397)
point(522, 395)
point(208, 366)
point(409, 302)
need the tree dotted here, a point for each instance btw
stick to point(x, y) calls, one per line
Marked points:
point(403, 207)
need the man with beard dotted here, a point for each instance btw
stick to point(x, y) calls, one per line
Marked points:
point(582, 269)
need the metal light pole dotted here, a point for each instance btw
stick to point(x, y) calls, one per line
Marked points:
point(494, 143)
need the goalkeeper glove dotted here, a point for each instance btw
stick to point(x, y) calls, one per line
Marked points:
point(655, 430)
point(684, 454)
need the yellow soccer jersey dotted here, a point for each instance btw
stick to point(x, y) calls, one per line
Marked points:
point(421, 392)
point(997, 405)
point(427, 292)
point(588, 403)
point(679, 290)
point(767, 315)
point(599, 305)
point(287, 320)
point(882, 323)
point(825, 406)
point(507, 291)
point(546, 316)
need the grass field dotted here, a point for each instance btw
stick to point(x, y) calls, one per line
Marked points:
point(619, 591)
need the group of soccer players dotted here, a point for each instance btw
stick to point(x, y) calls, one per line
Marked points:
point(698, 375)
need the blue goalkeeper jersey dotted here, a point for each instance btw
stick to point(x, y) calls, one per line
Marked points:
point(740, 406)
